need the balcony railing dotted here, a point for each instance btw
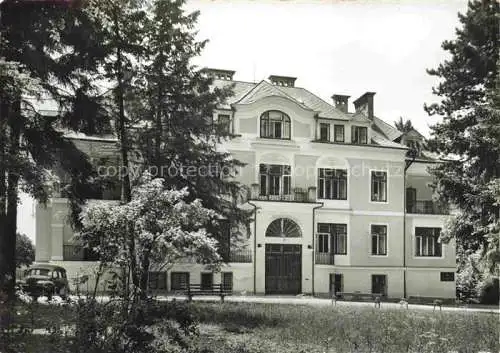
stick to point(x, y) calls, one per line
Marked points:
point(296, 195)
point(325, 259)
point(242, 256)
point(72, 252)
point(107, 192)
point(426, 207)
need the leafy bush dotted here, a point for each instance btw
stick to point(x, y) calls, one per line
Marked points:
point(489, 291)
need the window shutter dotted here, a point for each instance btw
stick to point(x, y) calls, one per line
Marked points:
point(353, 134)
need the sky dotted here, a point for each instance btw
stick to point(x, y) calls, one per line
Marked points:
point(343, 46)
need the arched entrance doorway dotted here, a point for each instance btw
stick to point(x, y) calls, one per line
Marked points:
point(283, 261)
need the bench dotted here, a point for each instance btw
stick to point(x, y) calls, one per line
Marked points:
point(214, 289)
point(438, 303)
point(375, 297)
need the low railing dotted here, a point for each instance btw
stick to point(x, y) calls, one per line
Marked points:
point(296, 195)
point(426, 207)
point(242, 256)
point(325, 259)
point(108, 192)
point(73, 252)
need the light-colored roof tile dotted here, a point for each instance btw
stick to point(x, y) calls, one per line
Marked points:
point(389, 131)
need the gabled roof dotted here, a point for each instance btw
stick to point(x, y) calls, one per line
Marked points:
point(360, 117)
point(264, 89)
point(240, 88)
point(389, 131)
point(381, 140)
point(414, 133)
point(251, 91)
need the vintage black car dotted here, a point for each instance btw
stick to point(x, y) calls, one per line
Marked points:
point(45, 280)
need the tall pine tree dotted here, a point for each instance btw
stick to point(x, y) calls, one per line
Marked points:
point(46, 51)
point(469, 133)
point(177, 138)
point(122, 27)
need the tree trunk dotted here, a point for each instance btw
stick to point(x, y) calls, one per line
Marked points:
point(4, 239)
point(159, 130)
point(122, 129)
point(144, 279)
point(8, 245)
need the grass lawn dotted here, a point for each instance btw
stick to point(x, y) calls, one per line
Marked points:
point(297, 328)
point(268, 328)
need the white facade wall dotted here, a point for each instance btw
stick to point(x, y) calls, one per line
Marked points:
point(358, 212)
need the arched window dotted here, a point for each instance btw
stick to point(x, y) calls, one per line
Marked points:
point(275, 125)
point(283, 228)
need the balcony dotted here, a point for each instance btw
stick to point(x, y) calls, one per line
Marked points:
point(325, 259)
point(241, 256)
point(426, 207)
point(106, 192)
point(296, 195)
point(73, 252)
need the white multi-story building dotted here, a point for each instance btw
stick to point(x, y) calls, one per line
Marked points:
point(338, 204)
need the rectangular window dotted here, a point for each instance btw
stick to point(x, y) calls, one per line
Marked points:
point(332, 238)
point(427, 242)
point(207, 280)
point(323, 240)
point(359, 135)
point(227, 281)
point(379, 239)
point(224, 122)
point(332, 184)
point(447, 276)
point(275, 180)
point(157, 280)
point(339, 133)
point(324, 132)
point(379, 186)
point(179, 280)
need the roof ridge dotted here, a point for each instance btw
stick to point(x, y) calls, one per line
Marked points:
point(286, 94)
point(274, 87)
point(246, 94)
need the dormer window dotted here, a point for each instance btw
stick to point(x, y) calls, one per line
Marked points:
point(339, 133)
point(224, 122)
point(324, 132)
point(359, 135)
point(275, 125)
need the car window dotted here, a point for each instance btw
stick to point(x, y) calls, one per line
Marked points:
point(39, 272)
point(55, 274)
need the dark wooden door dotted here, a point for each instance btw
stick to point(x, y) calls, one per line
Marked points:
point(379, 284)
point(207, 280)
point(227, 281)
point(335, 283)
point(283, 269)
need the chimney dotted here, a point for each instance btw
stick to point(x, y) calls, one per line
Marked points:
point(365, 104)
point(285, 81)
point(220, 74)
point(341, 102)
